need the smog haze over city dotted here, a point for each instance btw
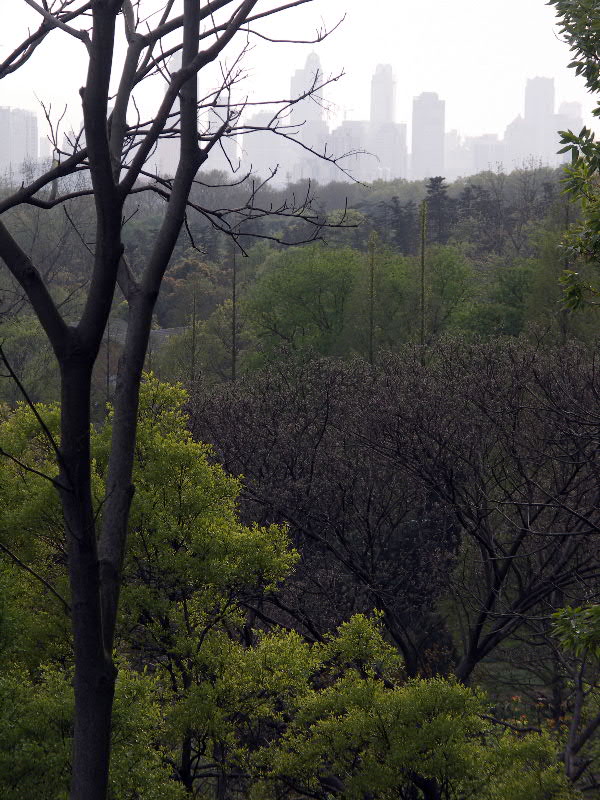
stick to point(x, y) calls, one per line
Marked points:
point(472, 55)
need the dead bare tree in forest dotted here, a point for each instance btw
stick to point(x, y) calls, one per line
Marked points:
point(506, 436)
point(115, 156)
point(369, 535)
point(461, 480)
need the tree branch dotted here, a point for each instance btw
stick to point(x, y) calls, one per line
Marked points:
point(37, 576)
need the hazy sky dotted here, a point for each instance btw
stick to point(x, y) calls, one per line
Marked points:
point(477, 54)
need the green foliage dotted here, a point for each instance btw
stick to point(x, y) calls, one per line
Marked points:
point(318, 300)
point(189, 562)
point(35, 733)
point(578, 630)
point(299, 300)
point(360, 737)
point(30, 355)
point(578, 24)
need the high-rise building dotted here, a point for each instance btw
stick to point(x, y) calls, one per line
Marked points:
point(539, 119)
point(308, 111)
point(18, 138)
point(458, 158)
point(518, 150)
point(349, 140)
point(307, 118)
point(383, 96)
point(539, 98)
point(388, 144)
point(166, 156)
point(569, 117)
point(265, 153)
point(45, 149)
point(428, 129)
point(533, 138)
point(387, 139)
point(486, 151)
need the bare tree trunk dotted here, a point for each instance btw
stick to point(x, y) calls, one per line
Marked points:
point(94, 671)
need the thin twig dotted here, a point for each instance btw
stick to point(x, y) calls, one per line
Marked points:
point(36, 575)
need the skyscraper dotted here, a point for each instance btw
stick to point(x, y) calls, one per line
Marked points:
point(5, 132)
point(18, 138)
point(569, 117)
point(263, 151)
point(349, 140)
point(533, 138)
point(539, 119)
point(309, 111)
point(308, 117)
point(387, 139)
point(428, 129)
point(539, 98)
point(383, 96)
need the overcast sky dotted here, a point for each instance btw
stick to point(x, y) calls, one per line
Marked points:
point(477, 54)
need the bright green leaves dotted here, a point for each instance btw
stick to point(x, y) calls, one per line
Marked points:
point(140, 765)
point(361, 737)
point(578, 630)
point(299, 301)
point(35, 733)
point(578, 21)
point(358, 645)
point(189, 565)
point(578, 293)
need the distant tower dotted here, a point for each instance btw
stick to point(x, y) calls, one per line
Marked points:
point(383, 96)
point(309, 117)
point(569, 118)
point(387, 140)
point(308, 110)
point(428, 131)
point(539, 99)
point(18, 138)
point(571, 112)
point(540, 120)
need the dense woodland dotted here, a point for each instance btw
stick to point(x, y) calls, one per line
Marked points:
point(416, 443)
point(492, 268)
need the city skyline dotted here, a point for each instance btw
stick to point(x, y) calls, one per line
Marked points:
point(469, 53)
point(378, 145)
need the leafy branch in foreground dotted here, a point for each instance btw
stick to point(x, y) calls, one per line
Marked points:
point(578, 22)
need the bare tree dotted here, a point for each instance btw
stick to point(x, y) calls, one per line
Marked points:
point(505, 435)
point(113, 157)
point(454, 488)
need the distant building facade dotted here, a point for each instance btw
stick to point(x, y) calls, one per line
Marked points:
point(383, 96)
point(18, 138)
point(428, 134)
point(387, 138)
point(533, 137)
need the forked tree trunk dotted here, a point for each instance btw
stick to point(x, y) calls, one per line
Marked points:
point(95, 561)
